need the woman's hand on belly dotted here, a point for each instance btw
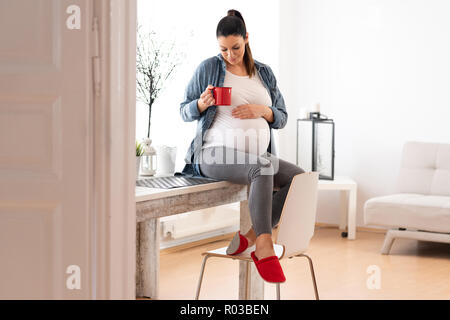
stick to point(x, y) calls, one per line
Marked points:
point(252, 111)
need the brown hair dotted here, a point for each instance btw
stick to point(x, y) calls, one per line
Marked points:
point(234, 24)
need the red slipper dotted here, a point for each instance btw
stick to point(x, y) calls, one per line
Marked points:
point(269, 268)
point(237, 245)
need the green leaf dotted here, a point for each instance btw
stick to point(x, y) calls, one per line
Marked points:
point(139, 149)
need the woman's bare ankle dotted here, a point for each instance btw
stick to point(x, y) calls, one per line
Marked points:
point(264, 246)
point(251, 237)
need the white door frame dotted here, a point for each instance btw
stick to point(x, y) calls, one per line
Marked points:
point(114, 231)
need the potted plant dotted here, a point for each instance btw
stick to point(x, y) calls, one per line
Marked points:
point(155, 63)
point(139, 153)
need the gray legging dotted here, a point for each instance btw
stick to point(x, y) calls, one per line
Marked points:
point(263, 173)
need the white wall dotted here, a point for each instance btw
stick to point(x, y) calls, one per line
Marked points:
point(380, 69)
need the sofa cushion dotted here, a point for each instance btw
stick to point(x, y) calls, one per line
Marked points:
point(425, 169)
point(409, 210)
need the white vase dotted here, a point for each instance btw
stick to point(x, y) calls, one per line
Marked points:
point(166, 159)
point(138, 166)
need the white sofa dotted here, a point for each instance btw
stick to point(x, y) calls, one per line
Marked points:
point(420, 208)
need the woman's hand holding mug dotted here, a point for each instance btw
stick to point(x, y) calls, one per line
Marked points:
point(206, 99)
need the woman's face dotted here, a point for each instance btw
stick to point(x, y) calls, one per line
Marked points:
point(233, 48)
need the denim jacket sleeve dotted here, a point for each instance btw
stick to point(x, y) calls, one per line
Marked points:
point(278, 107)
point(188, 108)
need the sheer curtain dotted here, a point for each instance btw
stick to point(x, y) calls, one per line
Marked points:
point(192, 26)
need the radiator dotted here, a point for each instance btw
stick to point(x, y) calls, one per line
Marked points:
point(198, 222)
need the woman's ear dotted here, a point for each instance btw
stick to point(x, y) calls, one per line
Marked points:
point(246, 38)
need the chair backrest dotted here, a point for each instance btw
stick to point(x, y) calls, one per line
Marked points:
point(425, 169)
point(298, 217)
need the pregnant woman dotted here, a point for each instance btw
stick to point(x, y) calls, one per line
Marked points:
point(257, 106)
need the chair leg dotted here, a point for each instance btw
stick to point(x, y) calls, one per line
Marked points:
point(247, 280)
point(278, 291)
point(311, 267)
point(201, 277)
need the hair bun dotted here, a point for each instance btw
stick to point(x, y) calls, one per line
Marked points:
point(235, 13)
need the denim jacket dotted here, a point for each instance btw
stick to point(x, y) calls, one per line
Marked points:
point(212, 71)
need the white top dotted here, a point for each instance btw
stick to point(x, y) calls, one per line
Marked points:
point(248, 135)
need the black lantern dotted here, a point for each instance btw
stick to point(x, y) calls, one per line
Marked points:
point(315, 145)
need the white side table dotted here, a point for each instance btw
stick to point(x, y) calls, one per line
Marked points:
point(348, 188)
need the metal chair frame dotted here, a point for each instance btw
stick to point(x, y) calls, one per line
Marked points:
point(248, 261)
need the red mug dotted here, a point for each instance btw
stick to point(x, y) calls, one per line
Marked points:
point(222, 95)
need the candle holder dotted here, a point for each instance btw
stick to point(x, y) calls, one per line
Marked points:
point(315, 145)
point(148, 163)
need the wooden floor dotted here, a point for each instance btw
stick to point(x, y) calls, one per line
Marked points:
point(413, 270)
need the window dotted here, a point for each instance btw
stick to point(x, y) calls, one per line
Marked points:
point(192, 25)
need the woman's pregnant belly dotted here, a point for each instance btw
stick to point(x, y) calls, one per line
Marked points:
point(248, 135)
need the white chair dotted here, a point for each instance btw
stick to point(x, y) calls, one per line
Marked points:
point(295, 229)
